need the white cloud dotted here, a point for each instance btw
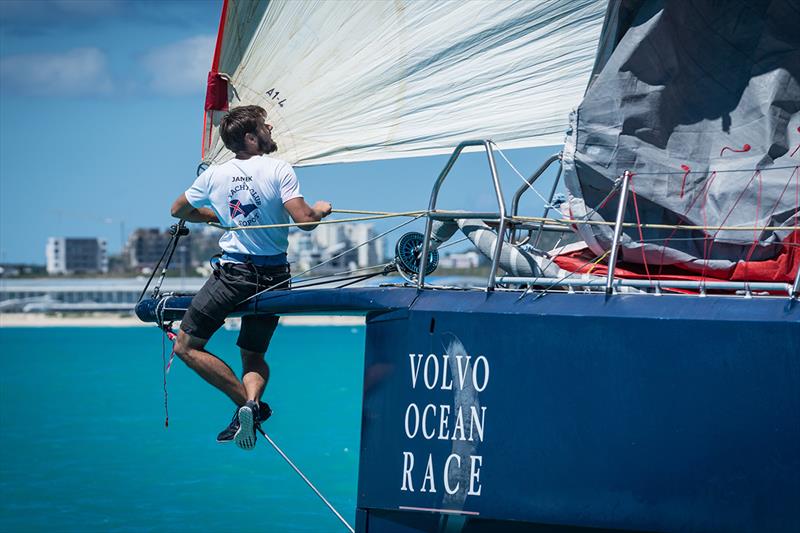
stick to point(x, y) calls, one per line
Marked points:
point(181, 67)
point(81, 71)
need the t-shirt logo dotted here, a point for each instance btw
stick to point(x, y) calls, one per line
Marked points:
point(239, 209)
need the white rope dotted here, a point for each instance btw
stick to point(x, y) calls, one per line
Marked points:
point(299, 473)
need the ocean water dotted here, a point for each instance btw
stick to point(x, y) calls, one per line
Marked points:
point(84, 447)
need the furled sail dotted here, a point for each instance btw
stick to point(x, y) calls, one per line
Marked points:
point(365, 80)
point(701, 102)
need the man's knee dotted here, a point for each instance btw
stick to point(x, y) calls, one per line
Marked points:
point(253, 360)
point(184, 345)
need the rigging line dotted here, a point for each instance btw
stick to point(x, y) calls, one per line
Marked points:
point(552, 258)
point(732, 241)
point(571, 221)
point(602, 204)
point(358, 279)
point(349, 279)
point(756, 234)
point(311, 485)
point(592, 262)
point(442, 247)
point(639, 223)
point(362, 212)
point(415, 214)
point(331, 259)
point(335, 275)
point(164, 377)
point(682, 172)
point(155, 269)
point(530, 185)
point(730, 212)
point(703, 190)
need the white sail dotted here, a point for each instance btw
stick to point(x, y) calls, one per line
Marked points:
point(364, 80)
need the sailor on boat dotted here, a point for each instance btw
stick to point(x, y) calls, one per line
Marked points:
point(251, 189)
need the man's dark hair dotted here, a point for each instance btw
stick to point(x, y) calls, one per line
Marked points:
point(237, 123)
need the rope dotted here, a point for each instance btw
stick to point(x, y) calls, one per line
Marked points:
point(593, 262)
point(177, 231)
point(639, 224)
point(311, 485)
point(570, 221)
point(681, 172)
point(374, 215)
point(331, 259)
point(341, 276)
point(513, 219)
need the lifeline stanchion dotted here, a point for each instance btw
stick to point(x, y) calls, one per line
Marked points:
point(299, 473)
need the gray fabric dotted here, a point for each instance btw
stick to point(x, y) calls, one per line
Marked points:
point(675, 83)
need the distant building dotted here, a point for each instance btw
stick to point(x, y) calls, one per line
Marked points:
point(462, 260)
point(146, 245)
point(203, 241)
point(72, 255)
point(333, 245)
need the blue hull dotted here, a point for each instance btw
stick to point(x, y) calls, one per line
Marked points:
point(634, 412)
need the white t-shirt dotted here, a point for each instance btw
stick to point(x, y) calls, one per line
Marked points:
point(248, 192)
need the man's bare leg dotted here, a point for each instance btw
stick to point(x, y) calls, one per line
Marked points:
point(211, 368)
point(255, 374)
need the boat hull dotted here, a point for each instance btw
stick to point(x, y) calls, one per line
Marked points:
point(634, 412)
point(484, 411)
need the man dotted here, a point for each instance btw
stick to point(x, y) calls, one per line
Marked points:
point(251, 189)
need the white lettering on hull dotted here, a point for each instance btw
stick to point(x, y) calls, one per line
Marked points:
point(460, 422)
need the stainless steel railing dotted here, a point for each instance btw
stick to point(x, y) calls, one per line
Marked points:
point(501, 215)
point(503, 220)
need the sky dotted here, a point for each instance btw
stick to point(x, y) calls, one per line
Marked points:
point(101, 112)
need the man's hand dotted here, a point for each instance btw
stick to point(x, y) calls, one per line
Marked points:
point(323, 208)
point(303, 213)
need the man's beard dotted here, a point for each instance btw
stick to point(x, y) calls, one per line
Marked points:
point(267, 146)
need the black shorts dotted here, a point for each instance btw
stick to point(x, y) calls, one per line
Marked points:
point(229, 286)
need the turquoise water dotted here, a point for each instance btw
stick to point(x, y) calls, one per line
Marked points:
point(84, 447)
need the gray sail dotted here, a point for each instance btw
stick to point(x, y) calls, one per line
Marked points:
point(700, 100)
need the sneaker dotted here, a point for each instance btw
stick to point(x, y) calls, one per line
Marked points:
point(264, 412)
point(245, 436)
point(227, 434)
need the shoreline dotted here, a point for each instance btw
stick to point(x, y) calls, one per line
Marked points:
point(41, 320)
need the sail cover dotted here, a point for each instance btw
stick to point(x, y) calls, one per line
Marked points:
point(699, 100)
point(365, 80)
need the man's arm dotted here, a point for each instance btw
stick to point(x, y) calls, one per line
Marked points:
point(301, 212)
point(184, 210)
